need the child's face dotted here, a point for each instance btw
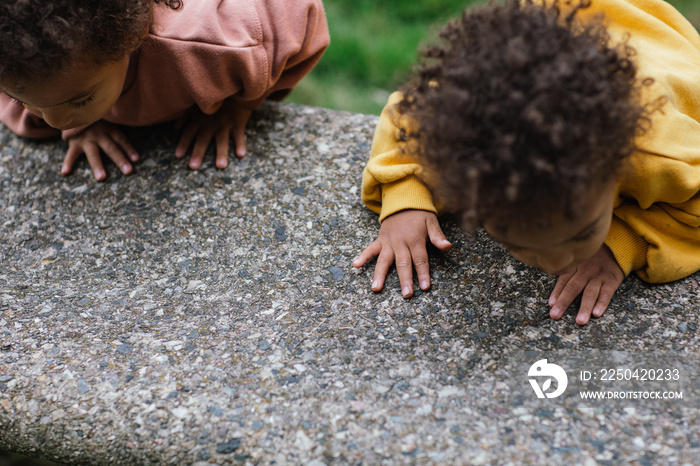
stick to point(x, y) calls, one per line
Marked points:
point(565, 244)
point(77, 97)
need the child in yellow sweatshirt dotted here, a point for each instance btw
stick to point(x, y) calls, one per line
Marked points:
point(569, 131)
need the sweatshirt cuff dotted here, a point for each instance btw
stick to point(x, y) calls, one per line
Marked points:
point(407, 193)
point(629, 249)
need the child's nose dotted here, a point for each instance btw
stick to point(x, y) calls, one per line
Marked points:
point(56, 118)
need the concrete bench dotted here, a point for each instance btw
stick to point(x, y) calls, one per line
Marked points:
point(212, 316)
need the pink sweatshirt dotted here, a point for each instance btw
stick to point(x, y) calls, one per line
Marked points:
point(203, 53)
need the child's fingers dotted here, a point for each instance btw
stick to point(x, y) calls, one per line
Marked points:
point(422, 265)
point(572, 289)
point(222, 149)
point(588, 301)
point(604, 297)
point(404, 267)
point(200, 148)
point(437, 237)
point(92, 152)
point(384, 261)
point(188, 135)
point(239, 139)
point(72, 154)
point(115, 154)
point(369, 252)
point(123, 142)
point(559, 287)
point(180, 123)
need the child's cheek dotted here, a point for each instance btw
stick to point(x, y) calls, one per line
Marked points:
point(523, 257)
point(33, 110)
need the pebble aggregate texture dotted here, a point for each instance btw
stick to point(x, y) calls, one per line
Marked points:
point(212, 317)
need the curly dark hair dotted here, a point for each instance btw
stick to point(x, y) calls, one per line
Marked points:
point(39, 37)
point(523, 108)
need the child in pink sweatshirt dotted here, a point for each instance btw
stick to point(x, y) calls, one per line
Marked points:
point(80, 69)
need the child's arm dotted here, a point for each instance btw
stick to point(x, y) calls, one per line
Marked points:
point(260, 50)
point(391, 186)
point(660, 243)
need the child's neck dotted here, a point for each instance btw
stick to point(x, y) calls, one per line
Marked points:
point(131, 71)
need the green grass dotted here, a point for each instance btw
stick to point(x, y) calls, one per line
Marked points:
point(374, 44)
point(689, 8)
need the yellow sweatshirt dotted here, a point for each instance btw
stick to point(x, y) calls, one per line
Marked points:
point(655, 230)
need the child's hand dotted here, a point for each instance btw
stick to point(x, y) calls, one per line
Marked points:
point(105, 137)
point(402, 239)
point(598, 278)
point(229, 120)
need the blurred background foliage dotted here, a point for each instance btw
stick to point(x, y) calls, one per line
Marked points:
point(374, 44)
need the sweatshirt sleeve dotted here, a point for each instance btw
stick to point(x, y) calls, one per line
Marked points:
point(656, 222)
point(22, 122)
point(249, 50)
point(392, 179)
point(656, 226)
point(295, 36)
point(212, 50)
point(655, 243)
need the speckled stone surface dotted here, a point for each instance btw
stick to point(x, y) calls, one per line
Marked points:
point(180, 317)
